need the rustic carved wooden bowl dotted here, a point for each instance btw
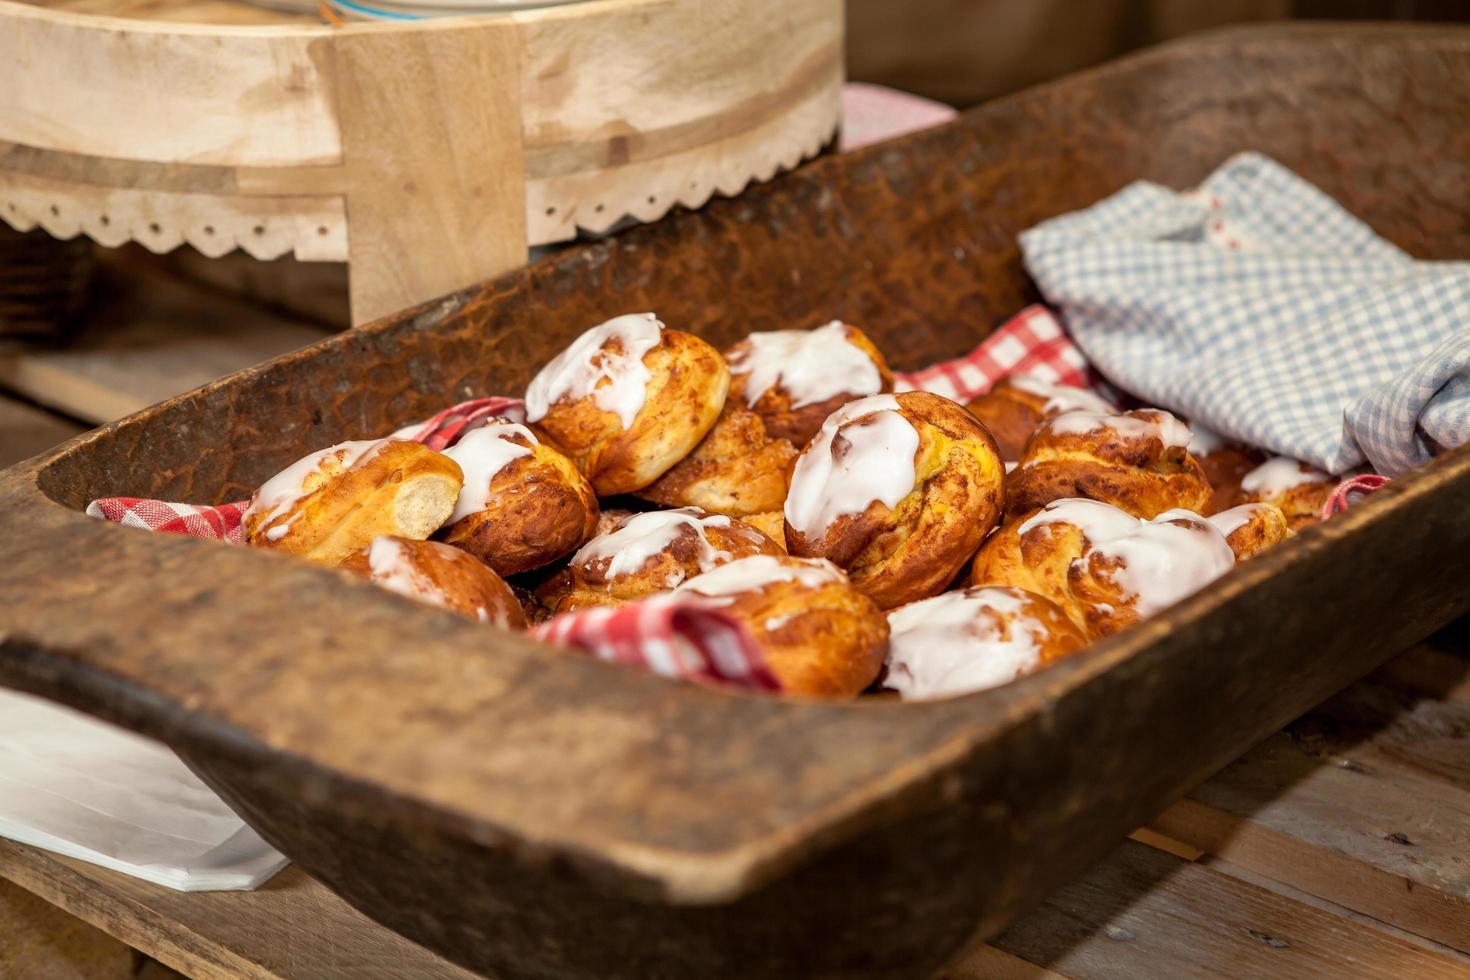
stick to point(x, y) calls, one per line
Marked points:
point(532, 813)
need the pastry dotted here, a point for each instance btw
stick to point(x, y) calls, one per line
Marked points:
point(648, 554)
point(794, 379)
point(1224, 462)
point(820, 636)
point(329, 504)
point(737, 469)
point(1104, 567)
point(627, 400)
point(1134, 460)
point(1300, 490)
point(772, 523)
point(974, 639)
point(523, 504)
point(1016, 405)
point(439, 575)
point(898, 490)
point(1250, 529)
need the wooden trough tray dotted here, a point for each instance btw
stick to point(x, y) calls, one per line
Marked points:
point(528, 812)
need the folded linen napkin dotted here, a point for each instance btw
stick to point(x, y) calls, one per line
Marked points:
point(1259, 307)
point(84, 788)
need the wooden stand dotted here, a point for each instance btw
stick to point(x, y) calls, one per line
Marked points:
point(429, 155)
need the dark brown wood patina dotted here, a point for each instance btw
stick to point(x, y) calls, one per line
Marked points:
point(532, 813)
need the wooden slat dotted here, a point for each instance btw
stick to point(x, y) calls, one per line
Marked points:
point(26, 430)
point(1365, 803)
point(292, 927)
point(40, 942)
point(150, 337)
point(1144, 913)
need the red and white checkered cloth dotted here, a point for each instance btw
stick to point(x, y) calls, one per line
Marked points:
point(681, 641)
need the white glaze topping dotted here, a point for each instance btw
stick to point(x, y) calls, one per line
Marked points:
point(1278, 475)
point(953, 643)
point(1162, 561)
point(631, 544)
point(874, 460)
point(481, 454)
point(1227, 522)
point(758, 571)
point(281, 492)
point(388, 560)
point(617, 382)
point(1061, 398)
point(1203, 441)
point(1146, 422)
point(811, 365)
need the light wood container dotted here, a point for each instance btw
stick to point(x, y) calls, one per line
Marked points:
point(429, 155)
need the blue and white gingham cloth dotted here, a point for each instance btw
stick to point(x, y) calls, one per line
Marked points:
point(1255, 305)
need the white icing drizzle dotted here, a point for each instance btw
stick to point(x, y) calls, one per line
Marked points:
point(1162, 561)
point(1227, 522)
point(281, 492)
point(874, 462)
point(1143, 423)
point(1061, 398)
point(953, 643)
point(811, 365)
point(631, 544)
point(617, 382)
point(1278, 475)
point(758, 571)
point(389, 562)
point(481, 454)
point(1011, 464)
point(1203, 441)
point(1097, 521)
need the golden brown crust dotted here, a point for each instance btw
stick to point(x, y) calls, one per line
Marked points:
point(648, 554)
point(915, 549)
point(397, 487)
point(1125, 461)
point(1302, 504)
point(1038, 562)
point(821, 637)
point(683, 397)
point(439, 575)
point(1250, 529)
point(538, 508)
point(1015, 407)
point(771, 523)
point(795, 424)
point(737, 469)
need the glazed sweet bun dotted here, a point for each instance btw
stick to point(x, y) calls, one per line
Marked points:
point(898, 490)
point(974, 639)
point(523, 505)
point(1250, 529)
point(1104, 567)
point(1300, 490)
point(1225, 464)
point(627, 400)
point(771, 523)
point(439, 575)
point(738, 469)
point(327, 505)
point(1137, 461)
point(648, 554)
point(820, 636)
point(794, 379)
point(1016, 406)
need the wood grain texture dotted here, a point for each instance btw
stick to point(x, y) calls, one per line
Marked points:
point(26, 430)
point(435, 176)
point(549, 814)
point(289, 929)
point(41, 942)
point(1364, 802)
point(1143, 913)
